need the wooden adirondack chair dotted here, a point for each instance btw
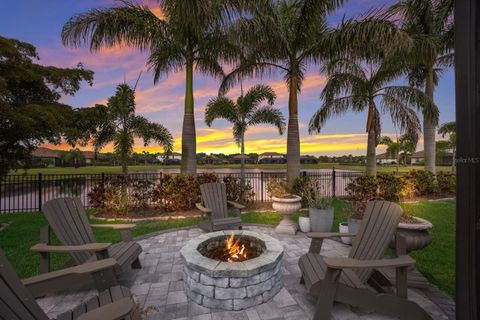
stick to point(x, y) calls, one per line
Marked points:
point(17, 302)
point(353, 280)
point(215, 206)
point(68, 219)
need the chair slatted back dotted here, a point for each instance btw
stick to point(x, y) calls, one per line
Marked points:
point(377, 229)
point(68, 219)
point(214, 197)
point(16, 302)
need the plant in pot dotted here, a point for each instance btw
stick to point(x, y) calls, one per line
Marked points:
point(284, 203)
point(319, 208)
point(362, 189)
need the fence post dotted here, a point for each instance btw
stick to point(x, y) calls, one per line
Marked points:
point(261, 184)
point(103, 179)
point(334, 182)
point(304, 173)
point(40, 192)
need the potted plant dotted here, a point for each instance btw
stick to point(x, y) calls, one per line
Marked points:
point(415, 230)
point(284, 203)
point(362, 189)
point(304, 222)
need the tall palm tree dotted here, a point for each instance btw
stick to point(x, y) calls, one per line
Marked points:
point(450, 129)
point(245, 112)
point(366, 87)
point(402, 148)
point(296, 34)
point(430, 25)
point(189, 36)
point(122, 126)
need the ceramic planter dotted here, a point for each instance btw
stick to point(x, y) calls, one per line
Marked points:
point(416, 234)
point(353, 225)
point(286, 207)
point(343, 228)
point(321, 220)
point(304, 223)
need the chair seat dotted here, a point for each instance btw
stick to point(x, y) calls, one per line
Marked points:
point(106, 297)
point(226, 223)
point(125, 253)
point(313, 271)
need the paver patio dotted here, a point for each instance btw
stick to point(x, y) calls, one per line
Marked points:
point(158, 286)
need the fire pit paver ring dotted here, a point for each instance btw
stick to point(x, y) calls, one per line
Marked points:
point(232, 286)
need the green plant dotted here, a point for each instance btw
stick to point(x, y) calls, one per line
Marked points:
point(362, 189)
point(447, 182)
point(311, 190)
point(238, 191)
point(277, 188)
point(418, 183)
point(390, 186)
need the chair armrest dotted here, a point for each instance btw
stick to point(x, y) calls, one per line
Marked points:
point(325, 235)
point(203, 209)
point(236, 205)
point(115, 310)
point(92, 247)
point(350, 263)
point(115, 226)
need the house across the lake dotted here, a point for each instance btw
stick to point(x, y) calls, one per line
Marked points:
point(308, 159)
point(237, 159)
point(271, 158)
point(172, 159)
point(46, 157)
point(386, 158)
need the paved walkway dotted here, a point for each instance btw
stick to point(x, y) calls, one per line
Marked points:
point(158, 286)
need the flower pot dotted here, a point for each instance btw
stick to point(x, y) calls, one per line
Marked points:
point(343, 228)
point(286, 207)
point(304, 223)
point(321, 220)
point(416, 235)
point(353, 225)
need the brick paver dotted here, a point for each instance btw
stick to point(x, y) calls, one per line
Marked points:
point(158, 286)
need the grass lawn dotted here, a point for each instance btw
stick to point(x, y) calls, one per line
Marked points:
point(117, 169)
point(436, 262)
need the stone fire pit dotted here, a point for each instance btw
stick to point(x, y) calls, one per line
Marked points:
point(232, 285)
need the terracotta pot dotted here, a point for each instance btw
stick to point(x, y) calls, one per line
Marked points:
point(416, 234)
point(286, 207)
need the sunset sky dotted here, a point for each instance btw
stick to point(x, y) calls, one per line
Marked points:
point(40, 23)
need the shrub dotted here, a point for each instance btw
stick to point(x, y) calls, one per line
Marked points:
point(176, 193)
point(447, 182)
point(238, 192)
point(311, 190)
point(362, 189)
point(141, 193)
point(419, 183)
point(390, 186)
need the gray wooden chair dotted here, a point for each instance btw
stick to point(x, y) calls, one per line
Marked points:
point(69, 221)
point(353, 280)
point(18, 303)
point(215, 206)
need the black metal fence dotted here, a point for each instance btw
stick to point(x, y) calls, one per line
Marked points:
point(24, 193)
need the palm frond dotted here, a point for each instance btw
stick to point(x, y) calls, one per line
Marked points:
point(401, 114)
point(336, 107)
point(150, 131)
point(220, 107)
point(255, 95)
point(268, 115)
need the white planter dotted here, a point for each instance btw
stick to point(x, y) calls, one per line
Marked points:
point(321, 220)
point(416, 235)
point(343, 228)
point(287, 207)
point(304, 223)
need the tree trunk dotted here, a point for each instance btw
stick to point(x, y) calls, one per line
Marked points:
point(189, 140)
point(371, 143)
point(293, 135)
point(429, 128)
point(242, 160)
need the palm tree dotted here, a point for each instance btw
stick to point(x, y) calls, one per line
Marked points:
point(402, 148)
point(296, 34)
point(365, 87)
point(430, 25)
point(122, 126)
point(450, 129)
point(189, 36)
point(246, 111)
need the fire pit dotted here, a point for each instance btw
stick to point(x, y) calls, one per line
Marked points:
point(232, 270)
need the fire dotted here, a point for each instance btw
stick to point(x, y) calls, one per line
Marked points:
point(234, 251)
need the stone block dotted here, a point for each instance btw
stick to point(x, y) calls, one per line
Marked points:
point(197, 287)
point(194, 275)
point(218, 304)
point(218, 282)
point(230, 293)
point(241, 304)
point(259, 288)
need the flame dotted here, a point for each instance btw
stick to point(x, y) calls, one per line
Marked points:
point(234, 251)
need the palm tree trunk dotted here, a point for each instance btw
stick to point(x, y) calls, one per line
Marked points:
point(293, 134)
point(189, 140)
point(371, 143)
point(242, 160)
point(429, 128)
